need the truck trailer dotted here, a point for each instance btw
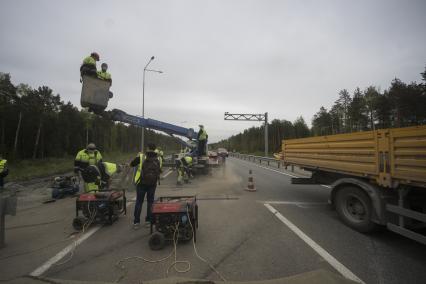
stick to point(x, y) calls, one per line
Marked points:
point(377, 178)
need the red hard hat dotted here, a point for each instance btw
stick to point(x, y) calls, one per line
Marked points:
point(95, 55)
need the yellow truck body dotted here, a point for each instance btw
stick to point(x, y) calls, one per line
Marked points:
point(387, 157)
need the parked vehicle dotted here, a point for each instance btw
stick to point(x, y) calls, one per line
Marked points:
point(376, 177)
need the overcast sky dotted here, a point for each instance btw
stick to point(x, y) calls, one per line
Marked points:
point(287, 58)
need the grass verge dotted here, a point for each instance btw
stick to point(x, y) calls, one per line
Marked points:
point(29, 169)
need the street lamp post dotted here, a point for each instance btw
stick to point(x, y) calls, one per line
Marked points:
point(143, 98)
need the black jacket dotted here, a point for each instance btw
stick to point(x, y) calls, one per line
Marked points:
point(137, 160)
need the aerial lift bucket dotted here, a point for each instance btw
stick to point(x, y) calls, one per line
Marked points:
point(95, 93)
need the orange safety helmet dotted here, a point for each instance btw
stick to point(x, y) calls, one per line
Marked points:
point(95, 55)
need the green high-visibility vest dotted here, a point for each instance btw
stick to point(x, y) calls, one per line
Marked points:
point(2, 165)
point(139, 170)
point(86, 157)
point(103, 75)
point(203, 134)
point(91, 186)
point(110, 168)
point(188, 160)
point(89, 60)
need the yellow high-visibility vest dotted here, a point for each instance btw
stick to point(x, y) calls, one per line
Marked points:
point(2, 165)
point(110, 168)
point(87, 157)
point(139, 170)
point(203, 134)
point(103, 75)
point(89, 60)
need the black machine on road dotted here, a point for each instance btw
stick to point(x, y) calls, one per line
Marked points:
point(174, 218)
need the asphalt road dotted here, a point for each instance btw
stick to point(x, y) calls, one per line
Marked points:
point(277, 231)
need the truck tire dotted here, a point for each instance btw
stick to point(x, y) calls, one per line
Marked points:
point(354, 208)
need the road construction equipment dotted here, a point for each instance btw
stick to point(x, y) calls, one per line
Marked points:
point(65, 186)
point(250, 185)
point(103, 204)
point(174, 218)
point(376, 177)
point(95, 96)
point(99, 207)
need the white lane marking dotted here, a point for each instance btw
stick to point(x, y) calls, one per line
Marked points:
point(169, 172)
point(60, 255)
point(42, 269)
point(322, 252)
point(290, 175)
point(283, 173)
point(297, 203)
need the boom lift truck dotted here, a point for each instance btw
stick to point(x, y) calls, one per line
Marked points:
point(95, 95)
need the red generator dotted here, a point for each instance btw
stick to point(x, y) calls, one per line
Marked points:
point(102, 207)
point(173, 217)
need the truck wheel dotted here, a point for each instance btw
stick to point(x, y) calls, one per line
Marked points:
point(354, 208)
point(157, 241)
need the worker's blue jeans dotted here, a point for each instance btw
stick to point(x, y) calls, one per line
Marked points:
point(141, 190)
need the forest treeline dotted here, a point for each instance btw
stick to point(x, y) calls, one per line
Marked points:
point(35, 124)
point(402, 104)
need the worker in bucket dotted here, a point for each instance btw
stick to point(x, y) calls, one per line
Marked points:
point(146, 178)
point(4, 171)
point(87, 157)
point(103, 74)
point(202, 141)
point(88, 67)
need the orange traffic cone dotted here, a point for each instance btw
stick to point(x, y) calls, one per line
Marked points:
point(250, 186)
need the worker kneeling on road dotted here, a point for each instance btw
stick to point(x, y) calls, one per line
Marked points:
point(4, 171)
point(85, 158)
point(88, 67)
point(99, 176)
point(184, 169)
point(146, 178)
point(103, 74)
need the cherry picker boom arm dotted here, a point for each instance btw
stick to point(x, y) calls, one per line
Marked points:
point(95, 95)
point(168, 128)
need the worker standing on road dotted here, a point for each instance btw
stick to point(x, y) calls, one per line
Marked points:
point(4, 171)
point(202, 141)
point(87, 157)
point(146, 178)
point(103, 74)
point(88, 67)
point(160, 157)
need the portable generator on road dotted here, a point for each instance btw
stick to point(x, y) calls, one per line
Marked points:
point(102, 206)
point(174, 218)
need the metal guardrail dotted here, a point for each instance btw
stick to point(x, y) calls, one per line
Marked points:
point(260, 159)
